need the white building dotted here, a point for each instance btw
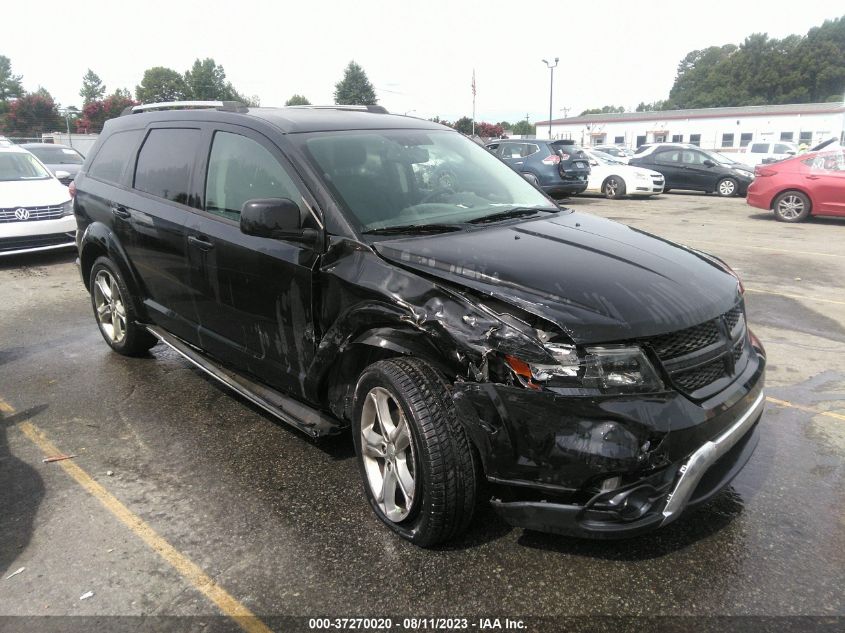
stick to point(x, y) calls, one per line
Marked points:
point(724, 129)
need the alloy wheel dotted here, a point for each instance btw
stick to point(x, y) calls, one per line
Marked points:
point(727, 187)
point(387, 449)
point(611, 188)
point(790, 207)
point(108, 303)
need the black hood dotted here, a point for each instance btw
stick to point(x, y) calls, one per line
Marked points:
point(598, 280)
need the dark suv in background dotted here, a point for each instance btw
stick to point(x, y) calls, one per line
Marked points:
point(556, 167)
point(318, 262)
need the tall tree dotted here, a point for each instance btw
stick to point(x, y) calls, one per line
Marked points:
point(32, 115)
point(297, 100)
point(10, 85)
point(92, 88)
point(161, 84)
point(206, 81)
point(354, 88)
point(463, 125)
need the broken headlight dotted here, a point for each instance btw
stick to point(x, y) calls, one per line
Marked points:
point(610, 369)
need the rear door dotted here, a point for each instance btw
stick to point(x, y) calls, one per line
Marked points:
point(254, 294)
point(825, 177)
point(697, 174)
point(150, 220)
point(514, 155)
point(668, 163)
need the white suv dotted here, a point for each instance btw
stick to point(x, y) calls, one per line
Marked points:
point(757, 152)
point(35, 208)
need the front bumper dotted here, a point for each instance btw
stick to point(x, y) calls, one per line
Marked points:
point(609, 467)
point(37, 235)
point(650, 503)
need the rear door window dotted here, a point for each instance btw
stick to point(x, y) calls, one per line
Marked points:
point(114, 155)
point(165, 163)
point(667, 158)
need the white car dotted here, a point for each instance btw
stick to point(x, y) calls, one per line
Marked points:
point(36, 211)
point(759, 152)
point(616, 180)
point(622, 154)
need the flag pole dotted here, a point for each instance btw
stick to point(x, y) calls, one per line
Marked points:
point(473, 102)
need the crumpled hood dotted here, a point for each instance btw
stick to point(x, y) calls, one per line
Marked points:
point(598, 280)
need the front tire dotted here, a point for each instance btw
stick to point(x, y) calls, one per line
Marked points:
point(416, 461)
point(613, 187)
point(727, 187)
point(791, 206)
point(114, 311)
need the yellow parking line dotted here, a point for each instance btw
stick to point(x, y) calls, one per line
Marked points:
point(786, 294)
point(792, 405)
point(767, 248)
point(201, 581)
point(5, 407)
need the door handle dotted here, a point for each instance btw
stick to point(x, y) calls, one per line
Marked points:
point(813, 177)
point(201, 243)
point(121, 212)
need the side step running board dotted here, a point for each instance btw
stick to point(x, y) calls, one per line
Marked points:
point(308, 420)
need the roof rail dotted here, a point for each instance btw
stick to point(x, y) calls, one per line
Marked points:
point(376, 109)
point(226, 106)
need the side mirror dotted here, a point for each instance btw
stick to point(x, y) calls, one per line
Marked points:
point(708, 163)
point(276, 218)
point(61, 175)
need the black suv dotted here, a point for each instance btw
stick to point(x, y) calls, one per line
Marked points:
point(597, 379)
point(556, 167)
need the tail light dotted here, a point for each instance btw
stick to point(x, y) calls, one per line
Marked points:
point(71, 188)
point(552, 159)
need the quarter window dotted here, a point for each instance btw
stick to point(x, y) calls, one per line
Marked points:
point(241, 169)
point(114, 155)
point(165, 164)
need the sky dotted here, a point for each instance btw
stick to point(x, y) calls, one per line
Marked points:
point(420, 55)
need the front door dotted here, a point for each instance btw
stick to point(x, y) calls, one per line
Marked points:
point(254, 294)
point(697, 174)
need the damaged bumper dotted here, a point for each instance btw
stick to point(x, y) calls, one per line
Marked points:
point(609, 468)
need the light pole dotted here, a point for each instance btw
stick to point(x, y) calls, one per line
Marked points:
point(551, 67)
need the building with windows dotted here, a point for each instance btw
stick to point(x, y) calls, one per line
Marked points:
point(723, 129)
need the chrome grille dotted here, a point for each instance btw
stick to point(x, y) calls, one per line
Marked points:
point(35, 213)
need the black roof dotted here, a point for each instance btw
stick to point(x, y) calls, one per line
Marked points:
point(288, 120)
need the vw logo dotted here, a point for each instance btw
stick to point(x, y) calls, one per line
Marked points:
point(22, 214)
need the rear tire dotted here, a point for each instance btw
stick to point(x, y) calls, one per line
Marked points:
point(115, 312)
point(792, 206)
point(405, 429)
point(613, 187)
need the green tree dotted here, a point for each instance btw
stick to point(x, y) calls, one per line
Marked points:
point(524, 128)
point(505, 125)
point(31, 115)
point(10, 85)
point(463, 125)
point(608, 109)
point(160, 85)
point(92, 88)
point(296, 100)
point(653, 106)
point(96, 113)
point(206, 81)
point(354, 88)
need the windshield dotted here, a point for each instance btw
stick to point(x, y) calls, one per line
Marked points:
point(20, 166)
point(393, 178)
point(57, 155)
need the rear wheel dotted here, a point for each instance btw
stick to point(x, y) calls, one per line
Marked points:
point(791, 206)
point(613, 187)
point(727, 187)
point(114, 311)
point(418, 467)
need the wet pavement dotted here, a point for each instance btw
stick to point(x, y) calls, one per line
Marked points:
point(281, 524)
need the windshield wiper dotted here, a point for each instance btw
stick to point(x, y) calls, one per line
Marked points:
point(413, 229)
point(516, 212)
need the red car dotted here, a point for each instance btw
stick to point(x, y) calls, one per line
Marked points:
point(795, 188)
